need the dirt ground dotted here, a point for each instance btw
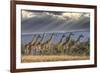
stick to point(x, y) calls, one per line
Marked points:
point(46, 58)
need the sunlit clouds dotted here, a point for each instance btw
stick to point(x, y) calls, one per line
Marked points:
point(44, 21)
point(27, 14)
point(75, 15)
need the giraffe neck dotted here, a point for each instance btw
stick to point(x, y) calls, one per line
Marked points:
point(41, 39)
point(78, 39)
point(77, 42)
point(36, 40)
point(33, 39)
point(50, 39)
point(69, 38)
point(61, 40)
point(66, 41)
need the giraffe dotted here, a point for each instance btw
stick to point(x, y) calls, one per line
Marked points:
point(38, 44)
point(61, 40)
point(76, 43)
point(27, 46)
point(33, 39)
point(58, 46)
point(47, 44)
point(68, 41)
point(67, 44)
point(32, 46)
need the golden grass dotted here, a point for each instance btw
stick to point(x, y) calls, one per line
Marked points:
point(47, 58)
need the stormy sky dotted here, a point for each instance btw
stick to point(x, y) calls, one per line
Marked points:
point(49, 21)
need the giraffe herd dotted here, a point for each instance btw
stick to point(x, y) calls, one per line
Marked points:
point(39, 47)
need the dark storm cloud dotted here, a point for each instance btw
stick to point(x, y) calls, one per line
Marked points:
point(53, 21)
point(53, 12)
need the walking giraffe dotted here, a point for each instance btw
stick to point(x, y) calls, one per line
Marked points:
point(38, 44)
point(28, 45)
point(58, 46)
point(32, 47)
point(68, 43)
point(61, 40)
point(77, 42)
point(75, 48)
point(47, 44)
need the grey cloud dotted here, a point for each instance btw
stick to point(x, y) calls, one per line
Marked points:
point(43, 22)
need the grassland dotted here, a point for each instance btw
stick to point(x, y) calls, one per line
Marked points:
point(46, 58)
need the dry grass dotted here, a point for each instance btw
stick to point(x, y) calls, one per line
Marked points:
point(46, 58)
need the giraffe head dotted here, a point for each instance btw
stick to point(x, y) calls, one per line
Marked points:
point(39, 36)
point(44, 33)
point(71, 34)
point(81, 36)
point(53, 33)
point(63, 35)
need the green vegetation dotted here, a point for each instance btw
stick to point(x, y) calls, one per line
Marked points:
point(69, 47)
point(82, 49)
